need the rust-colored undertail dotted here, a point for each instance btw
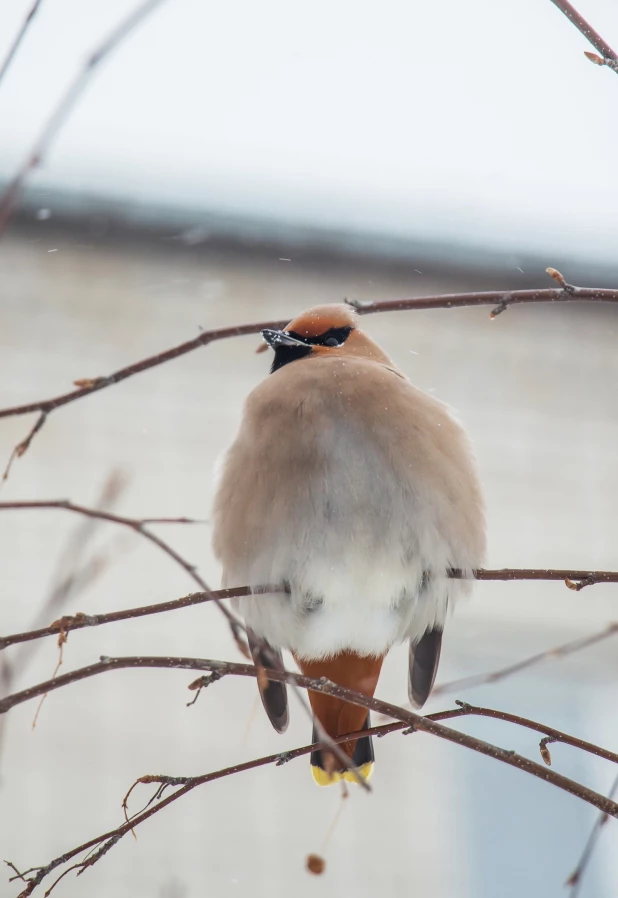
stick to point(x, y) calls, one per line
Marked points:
point(353, 671)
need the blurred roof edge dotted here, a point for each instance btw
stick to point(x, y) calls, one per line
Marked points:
point(113, 218)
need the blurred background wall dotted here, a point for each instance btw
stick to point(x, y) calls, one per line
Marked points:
point(243, 162)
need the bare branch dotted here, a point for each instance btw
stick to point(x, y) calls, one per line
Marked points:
point(323, 685)
point(78, 621)
point(575, 879)
point(446, 301)
point(100, 514)
point(138, 526)
point(561, 651)
point(552, 734)
point(107, 840)
point(609, 57)
point(237, 627)
point(33, 160)
point(189, 783)
point(67, 623)
point(500, 299)
point(23, 446)
point(64, 624)
point(573, 579)
point(70, 577)
point(19, 38)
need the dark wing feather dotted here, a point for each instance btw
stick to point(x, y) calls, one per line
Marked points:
point(424, 660)
point(274, 695)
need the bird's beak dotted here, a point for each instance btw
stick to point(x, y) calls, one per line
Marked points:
point(280, 338)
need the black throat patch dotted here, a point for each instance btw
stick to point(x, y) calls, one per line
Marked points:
point(286, 354)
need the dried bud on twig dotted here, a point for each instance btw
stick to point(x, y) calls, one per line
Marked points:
point(555, 274)
point(597, 60)
point(499, 309)
point(315, 864)
point(87, 383)
point(545, 751)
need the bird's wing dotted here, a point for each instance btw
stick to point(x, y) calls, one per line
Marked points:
point(423, 666)
point(274, 695)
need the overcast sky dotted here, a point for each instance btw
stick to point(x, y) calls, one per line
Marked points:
point(479, 118)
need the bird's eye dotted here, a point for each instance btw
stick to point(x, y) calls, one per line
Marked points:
point(331, 341)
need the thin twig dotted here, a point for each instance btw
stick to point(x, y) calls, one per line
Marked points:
point(575, 580)
point(69, 578)
point(325, 686)
point(23, 446)
point(560, 651)
point(78, 621)
point(609, 57)
point(19, 38)
point(553, 734)
point(6, 684)
point(65, 585)
point(500, 299)
point(138, 526)
point(65, 624)
point(191, 783)
point(576, 878)
point(445, 301)
point(107, 840)
point(68, 623)
point(100, 514)
point(59, 115)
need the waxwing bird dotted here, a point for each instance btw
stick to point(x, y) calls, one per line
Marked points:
point(354, 493)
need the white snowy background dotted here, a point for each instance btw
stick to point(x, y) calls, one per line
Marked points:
point(459, 124)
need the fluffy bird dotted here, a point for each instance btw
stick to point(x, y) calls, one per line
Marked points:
point(354, 493)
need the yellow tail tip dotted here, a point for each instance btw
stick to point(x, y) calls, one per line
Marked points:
point(323, 778)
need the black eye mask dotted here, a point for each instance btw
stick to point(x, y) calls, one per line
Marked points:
point(334, 336)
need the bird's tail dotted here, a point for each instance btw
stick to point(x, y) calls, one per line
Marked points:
point(338, 718)
point(363, 759)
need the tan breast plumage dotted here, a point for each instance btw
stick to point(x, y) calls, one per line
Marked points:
point(348, 484)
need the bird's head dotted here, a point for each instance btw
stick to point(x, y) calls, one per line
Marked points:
point(323, 331)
